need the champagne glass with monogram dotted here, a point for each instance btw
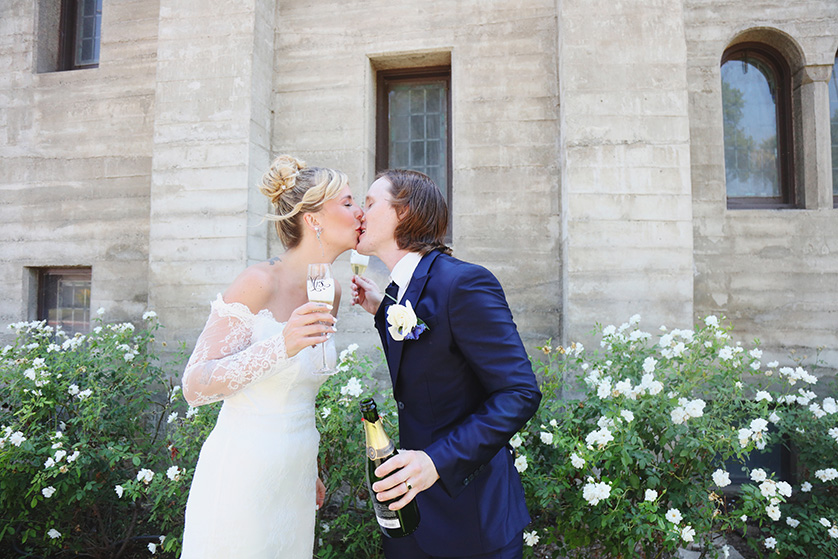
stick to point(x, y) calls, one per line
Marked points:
point(320, 286)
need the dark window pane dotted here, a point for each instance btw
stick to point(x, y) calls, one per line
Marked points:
point(749, 105)
point(65, 299)
point(88, 31)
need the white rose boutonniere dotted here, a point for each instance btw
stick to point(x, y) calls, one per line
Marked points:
point(403, 323)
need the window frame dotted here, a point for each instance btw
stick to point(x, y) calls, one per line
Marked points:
point(75, 272)
point(69, 36)
point(386, 78)
point(785, 128)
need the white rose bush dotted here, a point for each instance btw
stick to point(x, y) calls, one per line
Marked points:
point(647, 432)
point(85, 446)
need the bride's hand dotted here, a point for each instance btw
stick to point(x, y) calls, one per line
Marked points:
point(321, 493)
point(308, 325)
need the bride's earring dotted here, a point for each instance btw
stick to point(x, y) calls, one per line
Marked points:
point(319, 230)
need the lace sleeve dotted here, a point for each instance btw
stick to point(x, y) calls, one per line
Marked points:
point(224, 360)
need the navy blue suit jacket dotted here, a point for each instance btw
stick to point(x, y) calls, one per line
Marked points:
point(463, 389)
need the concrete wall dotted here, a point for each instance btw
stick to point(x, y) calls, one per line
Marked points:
point(772, 272)
point(504, 84)
point(75, 159)
point(587, 154)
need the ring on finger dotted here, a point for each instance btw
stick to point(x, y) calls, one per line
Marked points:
point(407, 484)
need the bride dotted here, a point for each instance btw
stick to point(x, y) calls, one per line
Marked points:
point(256, 488)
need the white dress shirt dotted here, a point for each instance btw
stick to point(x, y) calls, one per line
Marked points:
point(403, 272)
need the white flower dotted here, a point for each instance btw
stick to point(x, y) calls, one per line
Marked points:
point(712, 321)
point(173, 473)
point(726, 353)
point(678, 415)
point(773, 511)
point(521, 464)
point(100, 311)
point(721, 478)
point(600, 437)
point(829, 406)
point(145, 475)
point(806, 487)
point(596, 492)
point(576, 460)
point(59, 455)
point(129, 356)
point(687, 533)
point(554, 423)
point(744, 518)
point(758, 475)
point(516, 441)
point(833, 532)
point(650, 495)
point(627, 415)
point(119, 490)
point(674, 516)
point(152, 547)
point(770, 543)
point(826, 475)
point(834, 433)
point(49, 463)
point(84, 394)
point(768, 488)
point(738, 385)
point(325, 412)
point(48, 491)
point(172, 417)
point(53, 533)
point(784, 489)
point(353, 387)
point(148, 315)
point(695, 408)
point(758, 425)
point(546, 438)
point(825, 523)
point(530, 538)
point(792, 522)
point(191, 411)
point(17, 438)
point(763, 395)
point(756, 353)
point(774, 418)
point(73, 389)
point(401, 320)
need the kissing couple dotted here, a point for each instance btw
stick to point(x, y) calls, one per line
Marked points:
point(463, 384)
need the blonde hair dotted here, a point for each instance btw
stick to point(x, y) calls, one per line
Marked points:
point(295, 189)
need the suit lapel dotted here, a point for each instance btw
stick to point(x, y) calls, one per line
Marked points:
point(414, 291)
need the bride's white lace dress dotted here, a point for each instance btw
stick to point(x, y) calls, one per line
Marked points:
point(253, 494)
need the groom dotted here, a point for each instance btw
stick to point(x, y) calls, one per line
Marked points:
point(463, 385)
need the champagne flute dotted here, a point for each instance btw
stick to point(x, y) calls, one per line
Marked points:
point(358, 262)
point(320, 286)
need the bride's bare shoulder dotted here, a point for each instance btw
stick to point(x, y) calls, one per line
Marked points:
point(254, 287)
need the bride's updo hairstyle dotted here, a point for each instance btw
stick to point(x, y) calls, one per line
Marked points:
point(294, 190)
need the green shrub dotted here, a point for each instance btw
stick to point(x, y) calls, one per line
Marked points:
point(633, 464)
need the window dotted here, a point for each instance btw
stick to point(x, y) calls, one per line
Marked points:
point(81, 25)
point(756, 107)
point(64, 298)
point(833, 125)
point(413, 128)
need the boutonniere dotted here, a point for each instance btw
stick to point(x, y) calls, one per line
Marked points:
point(404, 324)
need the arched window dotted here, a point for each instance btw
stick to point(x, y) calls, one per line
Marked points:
point(756, 105)
point(833, 125)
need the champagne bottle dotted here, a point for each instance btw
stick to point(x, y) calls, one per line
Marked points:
point(393, 523)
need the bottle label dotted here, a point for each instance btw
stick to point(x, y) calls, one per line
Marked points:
point(385, 517)
point(379, 453)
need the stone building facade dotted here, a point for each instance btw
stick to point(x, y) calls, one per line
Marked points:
point(587, 154)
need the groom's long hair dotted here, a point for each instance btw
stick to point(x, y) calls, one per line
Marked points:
point(423, 214)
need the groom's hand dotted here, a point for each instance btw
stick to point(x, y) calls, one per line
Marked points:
point(366, 293)
point(405, 475)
